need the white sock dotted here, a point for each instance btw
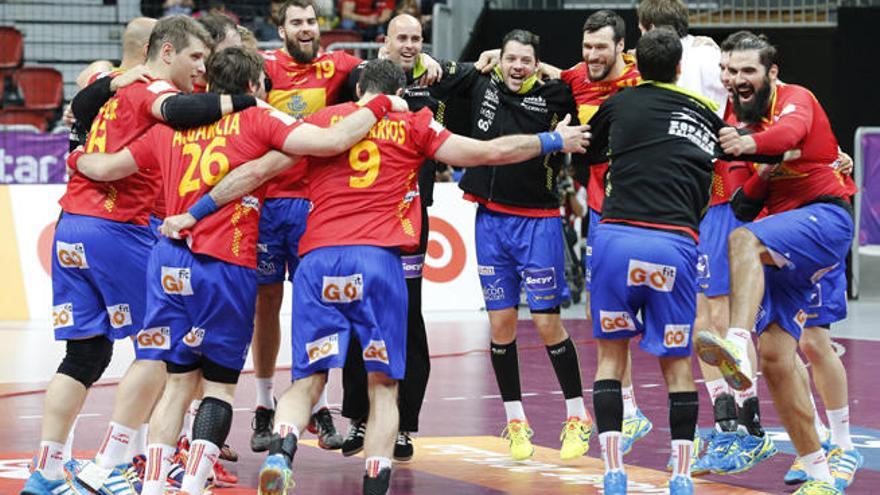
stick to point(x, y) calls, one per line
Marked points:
point(838, 420)
point(514, 410)
point(50, 460)
point(821, 429)
point(740, 338)
point(68, 444)
point(816, 466)
point(283, 429)
point(574, 408)
point(114, 446)
point(202, 457)
point(611, 451)
point(159, 458)
point(747, 393)
point(630, 409)
point(265, 397)
point(322, 401)
point(682, 457)
point(139, 444)
point(716, 388)
point(374, 465)
point(189, 417)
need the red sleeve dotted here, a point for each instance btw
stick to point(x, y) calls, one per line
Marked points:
point(273, 127)
point(792, 127)
point(429, 134)
point(568, 75)
point(143, 149)
point(98, 75)
point(150, 92)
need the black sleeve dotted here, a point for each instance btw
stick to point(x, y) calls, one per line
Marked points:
point(600, 127)
point(183, 111)
point(89, 100)
point(745, 209)
point(457, 80)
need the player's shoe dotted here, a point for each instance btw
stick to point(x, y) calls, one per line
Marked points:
point(751, 451)
point(520, 436)
point(844, 464)
point(796, 473)
point(176, 471)
point(223, 478)
point(354, 442)
point(121, 480)
point(816, 487)
point(229, 454)
point(276, 477)
point(377, 485)
point(681, 485)
point(634, 429)
point(403, 447)
point(37, 484)
point(322, 425)
point(721, 446)
point(614, 483)
point(575, 438)
point(262, 426)
point(139, 464)
point(715, 351)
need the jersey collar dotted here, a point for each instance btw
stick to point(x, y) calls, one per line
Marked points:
point(706, 102)
point(527, 84)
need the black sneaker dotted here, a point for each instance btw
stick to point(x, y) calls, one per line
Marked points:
point(322, 425)
point(227, 453)
point(262, 426)
point(403, 447)
point(379, 484)
point(354, 442)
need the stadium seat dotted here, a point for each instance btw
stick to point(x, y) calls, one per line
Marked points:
point(339, 36)
point(42, 87)
point(13, 46)
point(36, 118)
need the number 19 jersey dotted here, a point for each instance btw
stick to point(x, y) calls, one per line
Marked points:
point(369, 195)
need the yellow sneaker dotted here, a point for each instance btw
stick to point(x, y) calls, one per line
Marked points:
point(575, 437)
point(815, 487)
point(715, 351)
point(520, 436)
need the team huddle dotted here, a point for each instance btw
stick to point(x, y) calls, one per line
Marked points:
point(203, 173)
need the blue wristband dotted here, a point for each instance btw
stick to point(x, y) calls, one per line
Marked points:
point(551, 142)
point(203, 207)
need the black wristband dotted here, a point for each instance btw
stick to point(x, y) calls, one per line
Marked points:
point(240, 102)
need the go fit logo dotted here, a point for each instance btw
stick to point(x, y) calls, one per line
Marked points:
point(154, 338)
point(62, 315)
point(658, 277)
point(343, 289)
point(71, 255)
point(616, 321)
point(120, 315)
point(177, 281)
point(323, 348)
point(376, 351)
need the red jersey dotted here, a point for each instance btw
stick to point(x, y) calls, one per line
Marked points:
point(194, 160)
point(125, 117)
point(300, 90)
point(589, 95)
point(369, 195)
point(796, 120)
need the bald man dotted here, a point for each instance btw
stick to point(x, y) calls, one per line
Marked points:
point(134, 50)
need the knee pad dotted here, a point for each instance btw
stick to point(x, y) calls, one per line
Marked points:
point(213, 421)
point(213, 372)
point(86, 360)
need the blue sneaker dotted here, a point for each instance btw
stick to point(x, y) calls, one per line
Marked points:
point(751, 451)
point(276, 477)
point(121, 480)
point(681, 485)
point(634, 429)
point(37, 484)
point(720, 447)
point(796, 473)
point(614, 483)
point(844, 464)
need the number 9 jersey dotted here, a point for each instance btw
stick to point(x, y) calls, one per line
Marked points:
point(369, 195)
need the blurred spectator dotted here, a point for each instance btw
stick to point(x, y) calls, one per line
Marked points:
point(327, 16)
point(217, 7)
point(222, 29)
point(410, 7)
point(265, 27)
point(175, 7)
point(368, 17)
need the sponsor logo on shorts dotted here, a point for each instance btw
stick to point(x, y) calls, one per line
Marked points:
point(493, 293)
point(676, 336)
point(703, 266)
point(376, 351)
point(177, 281)
point(71, 255)
point(266, 268)
point(486, 270)
point(540, 279)
point(658, 277)
point(412, 266)
point(616, 321)
point(194, 337)
point(120, 315)
point(815, 300)
point(154, 338)
point(251, 202)
point(800, 319)
point(262, 247)
point(343, 289)
point(62, 315)
point(323, 348)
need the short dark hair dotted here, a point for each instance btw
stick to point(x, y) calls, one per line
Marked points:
point(382, 76)
point(731, 41)
point(523, 37)
point(603, 18)
point(766, 52)
point(658, 54)
point(229, 71)
point(303, 4)
point(176, 30)
point(657, 13)
point(217, 25)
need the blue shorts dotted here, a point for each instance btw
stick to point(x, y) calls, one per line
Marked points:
point(515, 252)
point(340, 291)
point(98, 277)
point(828, 299)
point(649, 273)
point(155, 222)
point(805, 244)
point(198, 307)
point(282, 224)
point(593, 217)
point(713, 263)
